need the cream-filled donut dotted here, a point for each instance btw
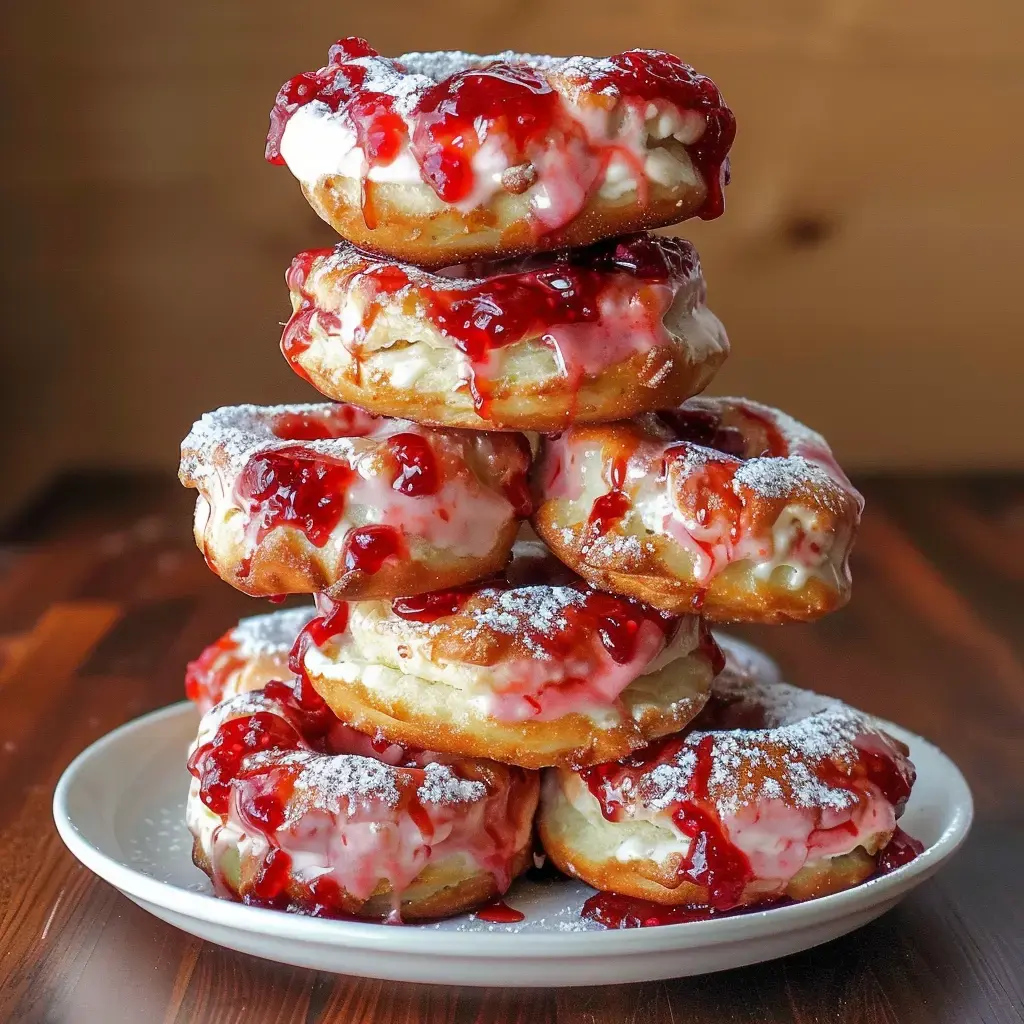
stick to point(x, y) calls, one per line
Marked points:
point(328, 498)
point(246, 657)
point(587, 335)
point(291, 809)
point(723, 506)
point(773, 792)
point(437, 158)
point(530, 668)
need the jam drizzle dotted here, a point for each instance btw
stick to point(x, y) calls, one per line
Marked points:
point(712, 860)
point(541, 299)
point(617, 622)
point(512, 104)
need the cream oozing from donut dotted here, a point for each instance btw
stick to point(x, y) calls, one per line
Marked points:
point(246, 657)
point(337, 820)
point(770, 780)
point(533, 681)
point(555, 129)
point(568, 316)
point(809, 537)
point(352, 484)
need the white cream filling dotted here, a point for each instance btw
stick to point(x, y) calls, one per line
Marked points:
point(394, 662)
point(317, 143)
point(431, 360)
point(462, 519)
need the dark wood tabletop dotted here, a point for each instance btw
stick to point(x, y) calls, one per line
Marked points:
point(103, 599)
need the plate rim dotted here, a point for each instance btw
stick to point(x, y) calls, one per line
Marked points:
point(482, 945)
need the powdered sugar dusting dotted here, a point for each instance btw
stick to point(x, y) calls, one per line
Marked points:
point(442, 786)
point(525, 611)
point(227, 438)
point(337, 784)
point(441, 64)
point(274, 633)
point(802, 731)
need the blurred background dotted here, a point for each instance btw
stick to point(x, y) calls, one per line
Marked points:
point(866, 267)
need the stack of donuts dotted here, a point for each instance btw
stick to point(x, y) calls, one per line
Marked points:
point(518, 525)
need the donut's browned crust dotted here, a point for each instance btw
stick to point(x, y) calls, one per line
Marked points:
point(734, 595)
point(659, 882)
point(500, 229)
point(571, 741)
point(440, 890)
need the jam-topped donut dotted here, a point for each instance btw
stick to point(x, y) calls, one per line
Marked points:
point(291, 809)
point(526, 668)
point(438, 158)
point(246, 657)
point(311, 498)
point(773, 792)
point(587, 335)
point(723, 506)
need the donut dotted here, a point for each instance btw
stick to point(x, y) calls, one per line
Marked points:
point(775, 792)
point(723, 506)
point(310, 498)
point(591, 334)
point(290, 808)
point(246, 657)
point(439, 158)
point(527, 668)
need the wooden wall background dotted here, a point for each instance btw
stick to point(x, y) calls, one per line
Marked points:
point(867, 266)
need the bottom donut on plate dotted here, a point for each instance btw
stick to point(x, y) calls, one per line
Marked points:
point(774, 792)
point(292, 809)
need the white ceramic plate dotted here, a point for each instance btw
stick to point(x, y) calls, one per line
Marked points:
point(120, 808)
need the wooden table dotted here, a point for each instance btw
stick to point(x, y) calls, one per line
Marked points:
point(103, 599)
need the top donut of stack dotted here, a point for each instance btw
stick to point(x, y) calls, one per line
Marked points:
point(439, 158)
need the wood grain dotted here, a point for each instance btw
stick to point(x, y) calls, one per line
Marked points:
point(868, 258)
point(103, 598)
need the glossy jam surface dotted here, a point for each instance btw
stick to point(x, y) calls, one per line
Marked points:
point(447, 124)
point(417, 473)
point(430, 607)
point(615, 911)
point(367, 548)
point(712, 861)
point(901, 850)
point(289, 487)
point(455, 113)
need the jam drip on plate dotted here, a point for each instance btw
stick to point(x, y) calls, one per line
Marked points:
point(499, 912)
point(512, 106)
